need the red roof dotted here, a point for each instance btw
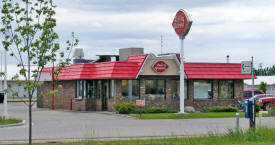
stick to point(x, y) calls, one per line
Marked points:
point(102, 70)
point(214, 71)
point(129, 70)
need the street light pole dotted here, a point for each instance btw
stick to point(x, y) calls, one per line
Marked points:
point(5, 115)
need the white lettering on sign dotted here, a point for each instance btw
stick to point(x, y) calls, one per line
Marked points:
point(140, 103)
point(160, 66)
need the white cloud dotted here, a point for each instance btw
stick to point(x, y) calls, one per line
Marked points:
point(239, 28)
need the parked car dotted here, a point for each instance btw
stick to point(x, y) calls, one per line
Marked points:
point(247, 94)
point(259, 96)
point(267, 101)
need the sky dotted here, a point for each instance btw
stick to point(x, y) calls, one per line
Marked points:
point(239, 28)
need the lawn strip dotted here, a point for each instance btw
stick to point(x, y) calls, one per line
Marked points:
point(192, 115)
point(9, 121)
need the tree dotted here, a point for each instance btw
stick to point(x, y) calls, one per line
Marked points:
point(262, 87)
point(27, 29)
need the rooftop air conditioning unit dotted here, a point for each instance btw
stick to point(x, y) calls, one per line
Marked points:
point(78, 53)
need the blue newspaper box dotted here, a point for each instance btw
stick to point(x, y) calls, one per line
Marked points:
point(247, 104)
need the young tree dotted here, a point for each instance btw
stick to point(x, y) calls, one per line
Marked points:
point(27, 29)
point(262, 87)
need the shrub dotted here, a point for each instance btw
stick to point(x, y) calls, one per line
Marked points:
point(221, 109)
point(258, 107)
point(125, 108)
point(156, 110)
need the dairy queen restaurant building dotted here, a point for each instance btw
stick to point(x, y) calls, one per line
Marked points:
point(96, 85)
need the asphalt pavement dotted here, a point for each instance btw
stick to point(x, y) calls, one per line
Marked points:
point(59, 125)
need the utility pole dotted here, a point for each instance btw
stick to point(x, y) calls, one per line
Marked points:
point(161, 44)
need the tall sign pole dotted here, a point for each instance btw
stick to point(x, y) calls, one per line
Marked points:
point(250, 105)
point(182, 24)
point(252, 120)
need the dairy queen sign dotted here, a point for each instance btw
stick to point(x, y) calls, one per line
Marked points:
point(160, 66)
point(182, 24)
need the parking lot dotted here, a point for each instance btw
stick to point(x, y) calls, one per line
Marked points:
point(59, 125)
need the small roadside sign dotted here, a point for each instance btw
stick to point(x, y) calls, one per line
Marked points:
point(246, 67)
point(140, 103)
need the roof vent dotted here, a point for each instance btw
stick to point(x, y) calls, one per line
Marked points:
point(78, 53)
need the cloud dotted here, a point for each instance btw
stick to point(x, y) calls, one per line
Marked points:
point(239, 28)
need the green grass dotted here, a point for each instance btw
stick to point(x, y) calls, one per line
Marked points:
point(191, 115)
point(259, 136)
point(9, 121)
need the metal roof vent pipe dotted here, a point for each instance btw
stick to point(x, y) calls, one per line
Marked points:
point(227, 60)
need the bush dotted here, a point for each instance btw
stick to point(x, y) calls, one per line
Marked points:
point(221, 109)
point(156, 110)
point(125, 108)
point(258, 107)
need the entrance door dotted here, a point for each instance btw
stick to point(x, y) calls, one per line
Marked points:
point(105, 95)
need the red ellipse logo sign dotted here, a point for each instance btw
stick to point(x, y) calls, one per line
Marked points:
point(160, 66)
point(182, 23)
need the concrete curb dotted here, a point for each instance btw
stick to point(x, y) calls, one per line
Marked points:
point(71, 140)
point(23, 122)
point(117, 114)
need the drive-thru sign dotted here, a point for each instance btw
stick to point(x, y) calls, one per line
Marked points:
point(182, 24)
point(246, 67)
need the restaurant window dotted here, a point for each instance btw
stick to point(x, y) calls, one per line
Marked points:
point(203, 89)
point(130, 88)
point(226, 89)
point(80, 89)
point(175, 89)
point(155, 89)
point(91, 89)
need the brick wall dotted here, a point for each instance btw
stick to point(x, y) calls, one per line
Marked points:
point(200, 104)
point(67, 94)
point(171, 103)
point(62, 100)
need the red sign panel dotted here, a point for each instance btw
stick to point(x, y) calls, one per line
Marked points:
point(182, 23)
point(140, 103)
point(160, 66)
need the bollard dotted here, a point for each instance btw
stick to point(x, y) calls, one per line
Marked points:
point(71, 104)
point(237, 121)
point(260, 117)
